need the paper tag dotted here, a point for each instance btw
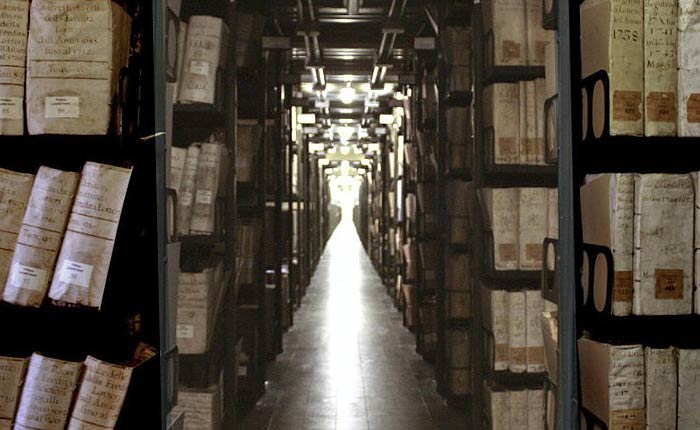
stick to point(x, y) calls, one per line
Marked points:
point(661, 106)
point(693, 107)
point(62, 107)
point(270, 286)
point(75, 273)
point(185, 331)
point(510, 50)
point(186, 198)
point(242, 371)
point(27, 277)
point(204, 197)
point(669, 284)
point(626, 104)
point(533, 252)
point(11, 108)
point(199, 67)
point(507, 252)
point(507, 147)
point(623, 289)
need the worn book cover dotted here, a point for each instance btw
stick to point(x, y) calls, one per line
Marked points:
point(205, 52)
point(660, 67)
point(14, 26)
point(48, 393)
point(532, 227)
point(209, 185)
point(612, 40)
point(495, 305)
point(663, 244)
point(524, 145)
point(498, 408)
point(535, 343)
point(203, 408)
point(688, 68)
point(502, 121)
point(86, 253)
point(178, 156)
point(40, 237)
point(506, 30)
point(75, 53)
point(517, 331)
point(688, 393)
point(187, 189)
point(535, 409)
point(100, 396)
point(661, 388)
point(607, 214)
point(518, 409)
point(613, 383)
point(15, 189)
point(540, 120)
point(12, 372)
point(502, 205)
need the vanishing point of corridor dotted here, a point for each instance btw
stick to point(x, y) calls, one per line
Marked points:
point(347, 365)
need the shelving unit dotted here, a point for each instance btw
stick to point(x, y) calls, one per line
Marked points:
point(131, 312)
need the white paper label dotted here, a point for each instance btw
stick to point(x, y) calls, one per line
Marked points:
point(11, 108)
point(28, 278)
point(185, 331)
point(270, 286)
point(199, 67)
point(204, 197)
point(75, 273)
point(186, 198)
point(242, 371)
point(62, 107)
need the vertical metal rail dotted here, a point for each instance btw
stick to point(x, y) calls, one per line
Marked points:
point(167, 384)
point(568, 132)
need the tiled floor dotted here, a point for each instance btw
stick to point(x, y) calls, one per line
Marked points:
point(349, 364)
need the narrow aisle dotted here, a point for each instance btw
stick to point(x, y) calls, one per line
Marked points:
point(349, 364)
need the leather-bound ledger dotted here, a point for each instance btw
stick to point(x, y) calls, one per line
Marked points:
point(14, 16)
point(40, 237)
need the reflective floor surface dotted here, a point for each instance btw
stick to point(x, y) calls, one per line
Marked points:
point(348, 362)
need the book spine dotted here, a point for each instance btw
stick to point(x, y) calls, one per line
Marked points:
point(532, 227)
point(535, 409)
point(12, 371)
point(663, 244)
point(626, 388)
point(207, 188)
point(518, 409)
point(499, 326)
point(688, 395)
point(202, 59)
point(179, 66)
point(661, 388)
point(178, 156)
point(81, 276)
point(71, 81)
point(47, 394)
point(535, 341)
point(509, 33)
point(505, 105)
point(15, 189)
point(14, 17)
point(517, 332)
point(688, 68)
point(193, 312)
point(505, 227)
point(660, 67)
point(498, 403)
point(525, 146)
point(100, 396)
point(539, 118)
point(40, 237)
point(623, 242)
point(187, 190)
point(626, 72)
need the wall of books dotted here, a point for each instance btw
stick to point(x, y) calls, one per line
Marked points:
point(81, 272)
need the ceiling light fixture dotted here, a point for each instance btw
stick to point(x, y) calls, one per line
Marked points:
point(347, 94)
